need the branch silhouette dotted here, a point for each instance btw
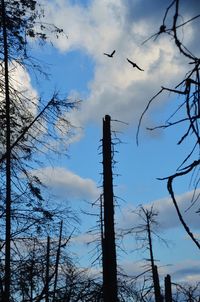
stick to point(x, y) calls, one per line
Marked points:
point(171, 192)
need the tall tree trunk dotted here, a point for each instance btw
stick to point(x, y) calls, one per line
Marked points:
point(168, 289)
point(47, 271)
point(57, 261)
point(156, 283)
point(8, 160)
point(109, 248)
point(31, 280)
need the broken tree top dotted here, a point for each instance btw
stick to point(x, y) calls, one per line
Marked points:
point(107, 117)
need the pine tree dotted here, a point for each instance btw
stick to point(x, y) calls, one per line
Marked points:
point(24, 129)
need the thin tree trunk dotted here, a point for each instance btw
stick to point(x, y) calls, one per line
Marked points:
point(47, 270)
point(57, 261)
point(168, 289)
point(1, 290)
point(31, 280)
point(104, 272)
point(8, 161)
point(156, 284)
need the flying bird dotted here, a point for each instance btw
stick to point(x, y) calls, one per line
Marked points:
point(134, 65)
point(109, 55)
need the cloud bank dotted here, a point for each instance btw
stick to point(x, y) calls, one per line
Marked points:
point(102, 26)
point(67, 185)
point(167, 216)
point(181, 272)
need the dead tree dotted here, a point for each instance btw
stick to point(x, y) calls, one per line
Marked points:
point(17, 22)
point(57, 261)
point(8, 160)
point(187, 113)
point(149, 214)
point(168, 289)
point(108, 243)
point(47, 270)
point(144, 233)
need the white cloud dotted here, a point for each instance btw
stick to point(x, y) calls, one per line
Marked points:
point(86, 238)
point(23, 96)
point(20, 80)
point(133, 268)
point(167, 216)
point(187, 271)
point(116, 89)
point(68, 185)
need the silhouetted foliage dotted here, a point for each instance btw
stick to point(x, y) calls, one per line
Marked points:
point(24, 22)
point(28, 127)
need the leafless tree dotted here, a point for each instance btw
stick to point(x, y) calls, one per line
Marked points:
point(27, 126)
point(144, 232)
point(187, 113)
point(186, 292)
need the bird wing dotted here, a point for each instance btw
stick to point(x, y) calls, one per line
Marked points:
point(112, 53)
point(139, 67)
point(129, 61)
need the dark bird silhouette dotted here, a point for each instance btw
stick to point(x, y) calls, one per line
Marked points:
point(134, 65)
point(109, 55)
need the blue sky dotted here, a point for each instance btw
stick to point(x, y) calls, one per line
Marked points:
point(78, 68)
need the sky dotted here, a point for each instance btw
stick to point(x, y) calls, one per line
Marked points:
point(79, 69)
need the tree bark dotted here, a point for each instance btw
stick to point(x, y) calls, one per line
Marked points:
point(57, 261)
point(108, 244)
point(168, 289)
point(47, 270)
point(156, 283)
